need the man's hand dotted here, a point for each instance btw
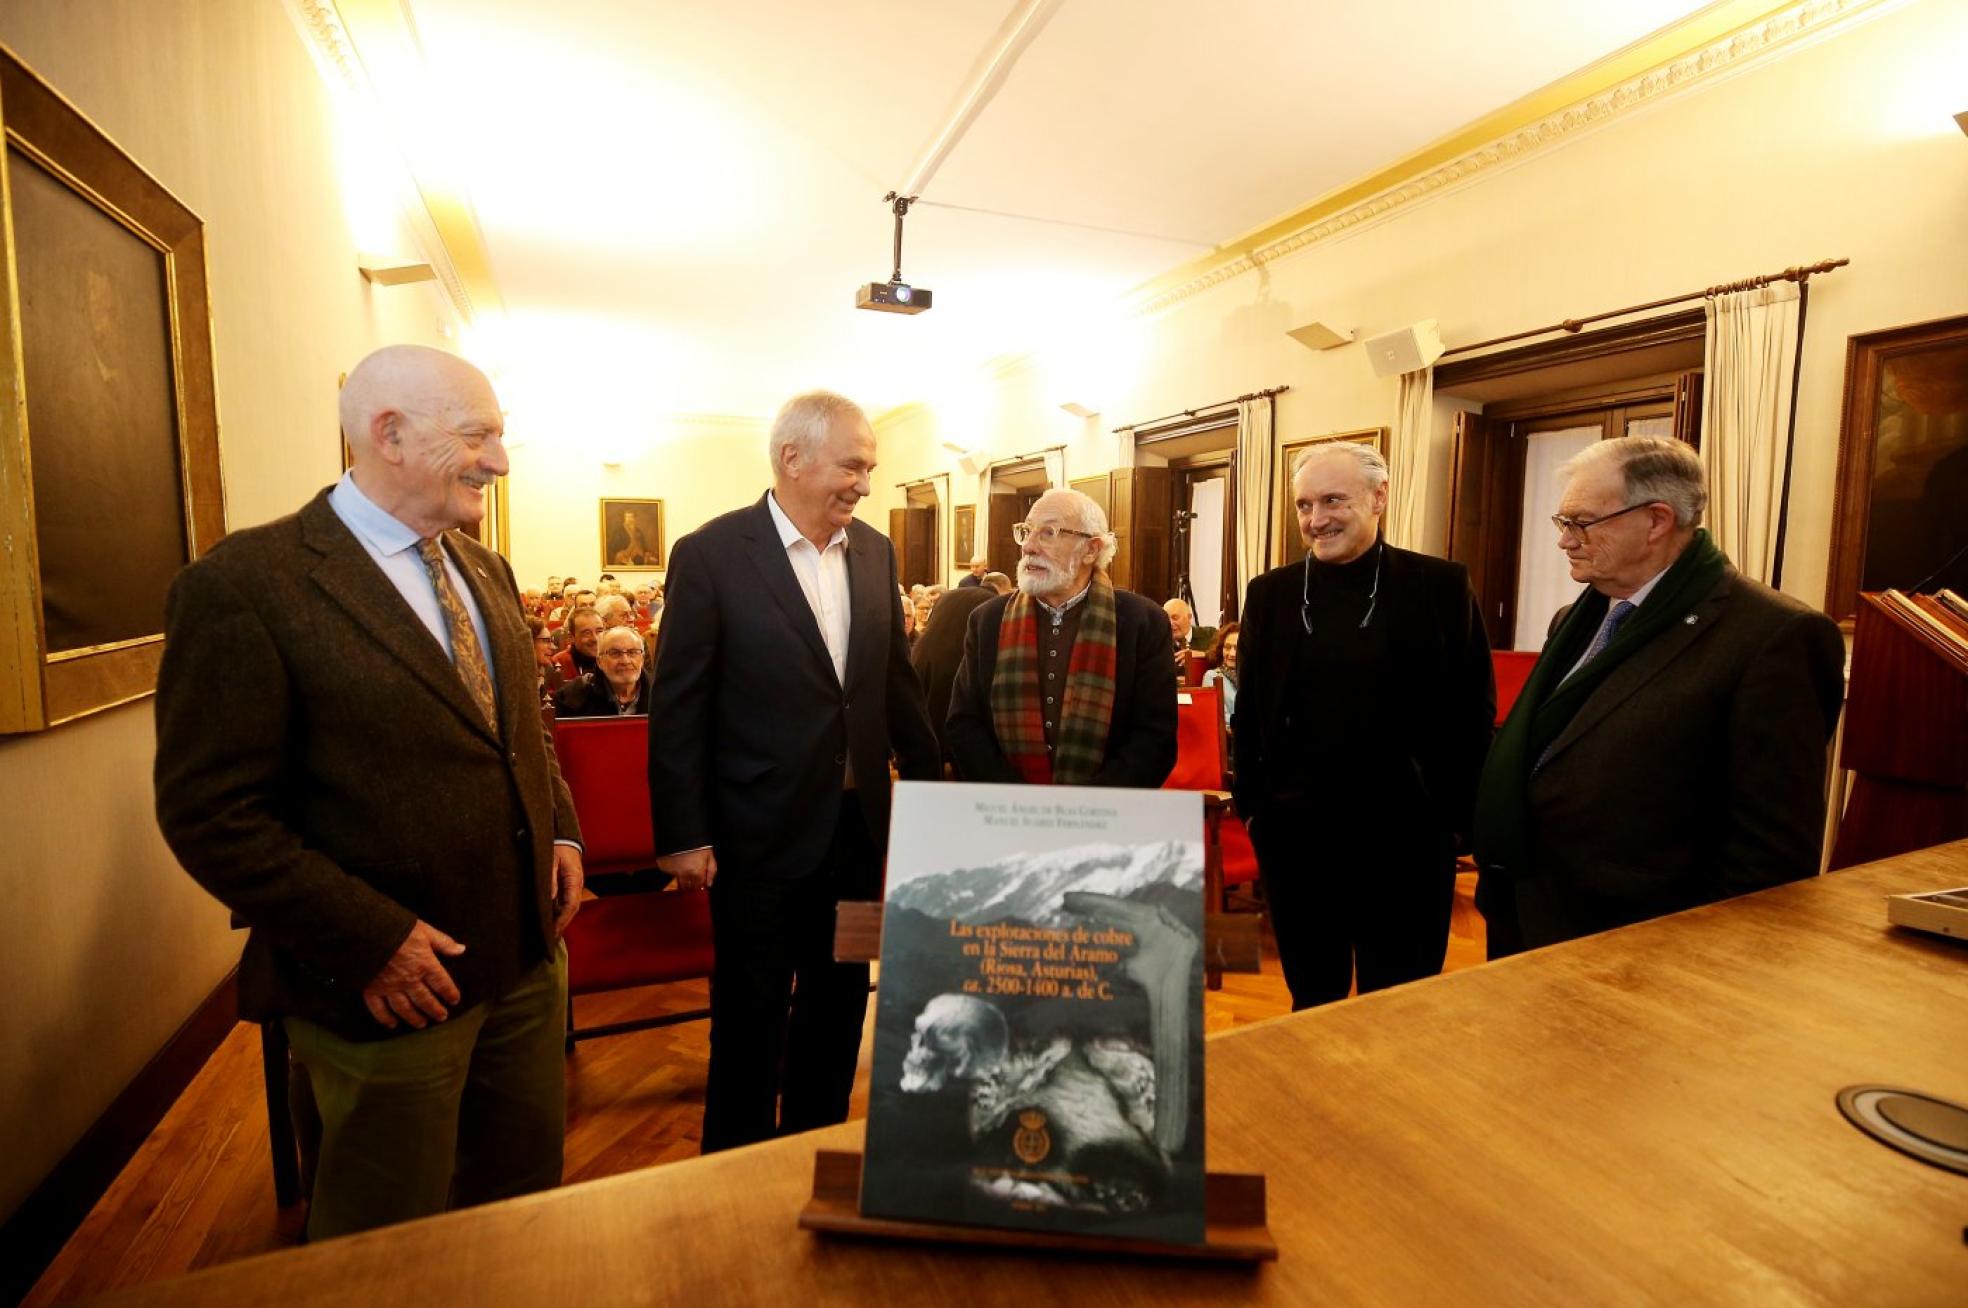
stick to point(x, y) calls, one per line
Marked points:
point(413, 985)
point(568, 880)
point(692, 868)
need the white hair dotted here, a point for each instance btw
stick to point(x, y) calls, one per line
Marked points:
point(1092, 519)
point(609, 607)
point(803, 422)
point(1654, 469)
point(612, 628)
point(1372, 466)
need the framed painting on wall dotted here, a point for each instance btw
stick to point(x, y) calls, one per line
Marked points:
point(963, 529)
point(1288, 546)
point(631, 535)
point(1900, 508)
point(109, 444)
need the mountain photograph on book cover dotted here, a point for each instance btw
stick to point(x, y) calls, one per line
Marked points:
point(1038, 1035)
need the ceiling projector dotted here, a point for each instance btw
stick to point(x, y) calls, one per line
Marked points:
point(892, 297)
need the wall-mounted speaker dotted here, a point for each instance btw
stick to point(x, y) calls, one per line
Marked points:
point(1404, 350)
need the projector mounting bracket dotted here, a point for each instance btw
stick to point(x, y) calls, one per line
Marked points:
point(900, 203)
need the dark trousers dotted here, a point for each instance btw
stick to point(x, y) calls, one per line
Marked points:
point(785, 1017)
point(1351, 892)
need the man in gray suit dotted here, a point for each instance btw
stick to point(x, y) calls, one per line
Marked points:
point(350, 757)
point(1669, 748)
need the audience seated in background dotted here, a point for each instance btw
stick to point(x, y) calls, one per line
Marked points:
point(578, 658)
point(998, 582)
point(975, 577)
point(1187, 635)
point(1222, 664)
point(940, 647)
point(547, 673)
point(619, 689)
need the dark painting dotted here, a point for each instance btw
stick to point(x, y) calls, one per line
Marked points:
point(101, 415)
point(1919, 501)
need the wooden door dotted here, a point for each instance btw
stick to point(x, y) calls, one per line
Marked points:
point(1150, 529)
point(1486, 505)
point(1002, 550)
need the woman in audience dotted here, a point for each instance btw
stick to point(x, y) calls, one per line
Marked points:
point(546, 671)
point(1222, 664)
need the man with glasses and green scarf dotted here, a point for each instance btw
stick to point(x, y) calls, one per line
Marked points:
point(1066, 681)
point(1669, 748)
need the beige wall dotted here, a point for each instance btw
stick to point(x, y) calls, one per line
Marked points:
point(110, 946)
point(1843, 147)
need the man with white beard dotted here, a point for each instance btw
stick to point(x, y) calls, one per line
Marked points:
point(1067, 680)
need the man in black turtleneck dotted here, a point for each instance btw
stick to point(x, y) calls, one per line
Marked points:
point(1365, 706)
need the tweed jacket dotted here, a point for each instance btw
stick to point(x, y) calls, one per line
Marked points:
point(750, 729)
point(323, 772)
point(1696, 771)
point(1141, 735)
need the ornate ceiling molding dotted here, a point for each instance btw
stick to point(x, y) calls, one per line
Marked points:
point(1427, 173)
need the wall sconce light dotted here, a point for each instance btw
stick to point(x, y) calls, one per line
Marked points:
point(385, 271)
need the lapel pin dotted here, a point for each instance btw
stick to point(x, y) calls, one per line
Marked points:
point(1691, 619)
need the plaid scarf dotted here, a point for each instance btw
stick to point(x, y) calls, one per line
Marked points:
point(1088, 710)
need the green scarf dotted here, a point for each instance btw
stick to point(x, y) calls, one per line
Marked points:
point(1088, 711)
point(1550, 699)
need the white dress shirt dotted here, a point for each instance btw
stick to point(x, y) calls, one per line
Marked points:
point(394, 548)
point(822, 578)
point(1636, 599)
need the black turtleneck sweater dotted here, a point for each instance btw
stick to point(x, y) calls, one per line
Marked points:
point(1337, 701)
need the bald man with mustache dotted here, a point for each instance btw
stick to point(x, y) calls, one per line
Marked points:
point(350, 757)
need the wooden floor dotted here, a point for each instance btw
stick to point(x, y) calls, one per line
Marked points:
point(200, 1191)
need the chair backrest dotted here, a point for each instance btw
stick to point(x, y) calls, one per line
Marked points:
point(1513, 669)
point(606, 764)
point(1198, 665)
point(1198, 740)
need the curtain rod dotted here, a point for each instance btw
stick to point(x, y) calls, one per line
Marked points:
point(1798, 275)
point(1022, 458)
point(1198, 412)
point(920, 481)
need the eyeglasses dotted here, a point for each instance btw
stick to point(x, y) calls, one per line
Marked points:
point(621, 654)
point(1579, 526)
point(1024, 531)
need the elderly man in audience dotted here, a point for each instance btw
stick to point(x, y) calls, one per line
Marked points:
point(998, 583)
point(1365, 699)
point(783, 689)
point(577, 660)
point(371, 792)
point(1669, 747)
point(1068, 681)
point(1185, 634)
point(939, 649)
point(975, 577)
point(621, 688)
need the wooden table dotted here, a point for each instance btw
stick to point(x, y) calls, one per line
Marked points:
point(1642, 1117)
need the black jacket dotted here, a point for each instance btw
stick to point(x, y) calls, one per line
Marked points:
point(1444, 718)
point(1141, 738)
point(591, 697)
point(749, 728)
point(939, 650)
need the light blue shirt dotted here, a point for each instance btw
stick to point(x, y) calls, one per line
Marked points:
point(394, 548)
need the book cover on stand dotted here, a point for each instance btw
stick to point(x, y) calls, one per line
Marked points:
point(1038, 1056)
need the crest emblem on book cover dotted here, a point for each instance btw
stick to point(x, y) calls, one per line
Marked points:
point(1032, 1143)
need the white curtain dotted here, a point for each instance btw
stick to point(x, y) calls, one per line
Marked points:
point(1408, 459)
point(1256, 455)
point(1206, 550)
point(1544, 578)
point(1055, 466)
point(981, 528)
point(1749, 367)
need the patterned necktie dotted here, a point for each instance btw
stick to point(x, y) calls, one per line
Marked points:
point(465, 654)
point(1615, 619)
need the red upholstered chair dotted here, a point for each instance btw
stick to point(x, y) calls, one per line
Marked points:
point(620, 941)
point(1513, 669)
point(1198, 665)
point(1228, 858)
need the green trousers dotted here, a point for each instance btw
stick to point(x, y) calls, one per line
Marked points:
point(463, 1112)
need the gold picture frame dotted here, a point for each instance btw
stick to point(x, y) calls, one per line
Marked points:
point(632, 535)
point(1287, 547)
point(109, 428)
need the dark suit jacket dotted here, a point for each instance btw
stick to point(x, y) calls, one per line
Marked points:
point(1694, 772)
point(322, 770)
point(1445, 712)
point(591, 697)
point(749, 728)
point(1141, 737)
point(939, 649)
